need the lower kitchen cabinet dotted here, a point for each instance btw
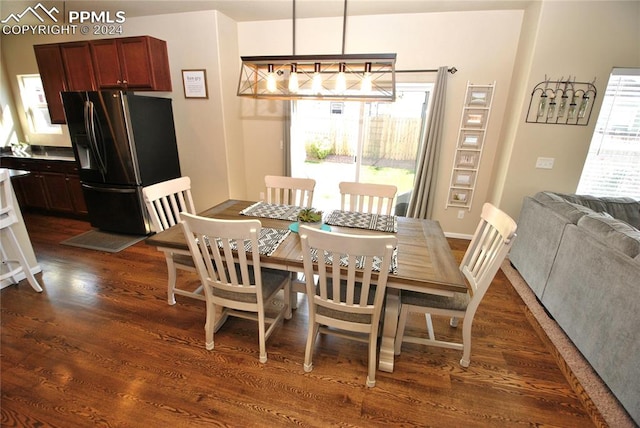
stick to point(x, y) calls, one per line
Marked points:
point(52, 186)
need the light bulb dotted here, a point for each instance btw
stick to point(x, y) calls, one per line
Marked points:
point(316, 83)
point(293, 79)
point(366, 79)
point(341, 80)
point(271, 79)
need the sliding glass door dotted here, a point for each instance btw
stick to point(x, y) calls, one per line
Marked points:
point(358, 141)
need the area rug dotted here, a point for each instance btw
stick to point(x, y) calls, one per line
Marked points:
point(103, 241)
point(609, 412)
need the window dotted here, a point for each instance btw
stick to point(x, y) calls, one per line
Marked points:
point(35, 105)
point(612, 167)
point(372, 142)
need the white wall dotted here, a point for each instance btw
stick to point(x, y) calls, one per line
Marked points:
point(584, 39)
point(228, 144)
point(482, 45)
point(206, 129)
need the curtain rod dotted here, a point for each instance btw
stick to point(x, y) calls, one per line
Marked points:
point(452, 70)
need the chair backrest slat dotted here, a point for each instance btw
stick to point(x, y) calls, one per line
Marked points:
point(166, 200)
point(346, 288)
point(367, 197)
point(488, 248)
point(218, 247)
point(289, 190)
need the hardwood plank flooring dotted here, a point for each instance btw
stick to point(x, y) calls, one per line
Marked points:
point(101, 347)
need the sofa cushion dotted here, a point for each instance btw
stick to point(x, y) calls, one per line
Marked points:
point(569, 210)
point(613, 232)
point(627, 209)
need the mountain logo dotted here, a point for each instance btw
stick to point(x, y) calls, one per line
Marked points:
point(36, 11)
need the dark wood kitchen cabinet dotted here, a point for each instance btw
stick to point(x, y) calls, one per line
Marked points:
point(76, 57)
point(53, 78)
point(127, 63)
point(52, 186)
point(131, 63)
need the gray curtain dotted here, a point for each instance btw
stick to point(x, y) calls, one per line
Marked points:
point(424, 188)
point(286, 137)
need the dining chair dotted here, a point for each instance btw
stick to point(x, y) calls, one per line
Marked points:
point(8, 218)
point(289, 190)
point(488, 248)
point(227, 257)
point(164, 202)
point(346, 300)
point(367, 197)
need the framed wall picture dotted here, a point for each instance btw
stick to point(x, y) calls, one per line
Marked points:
point(474, 118)
point(464, 178)
point(471, 140)
point(479, 97)
point(467, 159)
point(460, 197)
point(194, 83)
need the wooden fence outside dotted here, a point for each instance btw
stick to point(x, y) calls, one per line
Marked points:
point(385, 137)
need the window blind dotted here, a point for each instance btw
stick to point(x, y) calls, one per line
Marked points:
point(612, 167)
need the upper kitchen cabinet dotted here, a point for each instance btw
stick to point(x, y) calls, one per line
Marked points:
point(53, 78)
point(129, 63)
point(134, 63)
point(76, 57)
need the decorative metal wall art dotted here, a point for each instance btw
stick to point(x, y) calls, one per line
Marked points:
point(562, 102)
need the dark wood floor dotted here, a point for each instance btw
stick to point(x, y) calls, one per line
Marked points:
point(101, 347)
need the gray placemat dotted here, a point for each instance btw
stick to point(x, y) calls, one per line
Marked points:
point(379, 222)
point(275, 211)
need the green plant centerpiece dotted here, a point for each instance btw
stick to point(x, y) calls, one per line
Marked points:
point(310, 217)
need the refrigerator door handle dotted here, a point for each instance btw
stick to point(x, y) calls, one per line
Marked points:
point(89, 124)
point(108, 189)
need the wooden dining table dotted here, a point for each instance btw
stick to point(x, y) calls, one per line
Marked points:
point(425, 262)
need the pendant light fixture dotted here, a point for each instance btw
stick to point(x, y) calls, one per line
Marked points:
point(364, 77)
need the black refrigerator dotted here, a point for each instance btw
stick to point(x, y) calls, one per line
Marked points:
point(122, 142)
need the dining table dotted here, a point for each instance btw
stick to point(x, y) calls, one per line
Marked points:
point(424, 260)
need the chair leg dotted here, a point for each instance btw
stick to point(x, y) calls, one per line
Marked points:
point(373, 346)
point(466, 342)
point(311, 341)
point(23, 261)
point(171, 284)
point(210, 325)
point(262, 337)
point(288, 299)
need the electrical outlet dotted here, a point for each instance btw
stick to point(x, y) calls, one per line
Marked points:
point(262, 196)
point(545, 163)
point(460, 214)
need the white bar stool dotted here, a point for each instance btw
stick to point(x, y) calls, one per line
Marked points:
point(7, 219)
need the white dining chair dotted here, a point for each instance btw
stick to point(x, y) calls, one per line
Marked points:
point(346, 300)
point(367, 197)
point(234, 279)
point(488, 248)
point(289, 190)
point(8, 218)
point(164, 202)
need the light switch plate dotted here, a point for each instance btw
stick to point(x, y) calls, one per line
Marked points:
point(545, 163)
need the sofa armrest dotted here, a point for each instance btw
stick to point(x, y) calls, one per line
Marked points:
point(540, 230)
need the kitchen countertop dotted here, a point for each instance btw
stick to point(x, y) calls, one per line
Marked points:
point(42, 152)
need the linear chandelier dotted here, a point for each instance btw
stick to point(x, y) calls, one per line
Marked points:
point(365, 77)
point(354, 77)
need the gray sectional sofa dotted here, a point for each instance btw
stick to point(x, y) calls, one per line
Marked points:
point(581, 257)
